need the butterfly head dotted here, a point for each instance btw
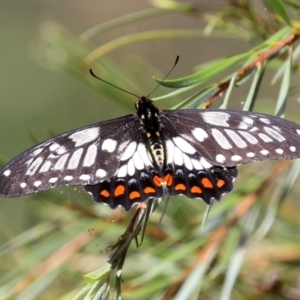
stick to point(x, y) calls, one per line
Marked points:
point(148, 114)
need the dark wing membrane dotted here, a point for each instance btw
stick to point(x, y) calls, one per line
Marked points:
point(228, 137)
point(86, 155)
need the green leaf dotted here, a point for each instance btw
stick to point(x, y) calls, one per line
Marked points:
point(280, 9)
point(232, 273)
point(293, 3)
point(207, 73)
point(251, 98)
point(285, 85)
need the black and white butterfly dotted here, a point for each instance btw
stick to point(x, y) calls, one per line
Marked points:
point(130, 159)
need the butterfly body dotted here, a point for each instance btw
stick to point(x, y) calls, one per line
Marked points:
point(151, 127)
point(130, 159)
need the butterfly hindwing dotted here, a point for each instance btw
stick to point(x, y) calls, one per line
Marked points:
point(188, 173)
point(206, 184)
point(128, 190)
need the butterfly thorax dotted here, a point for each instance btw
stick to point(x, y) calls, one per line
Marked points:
point(149, 117)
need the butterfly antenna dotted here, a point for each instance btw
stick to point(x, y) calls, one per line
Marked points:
point(93, 74)
point(175, 63)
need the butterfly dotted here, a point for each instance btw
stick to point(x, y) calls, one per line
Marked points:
point(130, 159)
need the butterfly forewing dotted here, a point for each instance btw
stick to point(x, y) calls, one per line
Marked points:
point(86, 155)
point(228, 138)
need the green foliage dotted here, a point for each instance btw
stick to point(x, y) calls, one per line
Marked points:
point(247, 248)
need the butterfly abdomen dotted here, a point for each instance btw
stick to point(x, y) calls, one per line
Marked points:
point(157, 150)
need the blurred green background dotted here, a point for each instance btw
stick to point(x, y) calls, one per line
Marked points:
point(40, 99)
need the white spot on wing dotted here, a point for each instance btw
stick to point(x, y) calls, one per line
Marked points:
point(292, 148)
point(130, 167)
point(188, 137)
point(217, 118)
point(75, 159)
point(144, 154)
point(221, 139)
point(61, 162)
point(200, 134)
point(265, 138)
point(37, 151)
point(60, 150)
point(196, 164)
point(183, 145)
point(122, 171)
point(129, 151)
point(34, 166)
point(265, 120)
point(298, 131)
point(178, 158)
point(45, 167)
point(84, 136)
point(250, 154)
point(205, 163)
point(253, 129)
point(246, 123)
point(53, 179)
point(54, 146)
point(100, 173)
point(37, 183)
point(279, 151)
point(277, 128)
point(7, 173)
point(138, 163)
point(90, 156)
point(274, 133)
point(249, 137)
point(85, 177)
point(68, 178)
point(109, 145)
point(264, 152)
point(187, 162)
point(239, 142)
point(23, 185)
point(220, 158)
point(170, 151)
point(236, 158)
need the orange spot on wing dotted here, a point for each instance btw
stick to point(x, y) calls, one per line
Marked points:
point(207, 183)
point(149, 190)
point(105, 193)
point(168, 179)
point(157, 180)
point(220, 183)
point(196, 190)
point(120, 189)
point(180, 186)
point(134, 195)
